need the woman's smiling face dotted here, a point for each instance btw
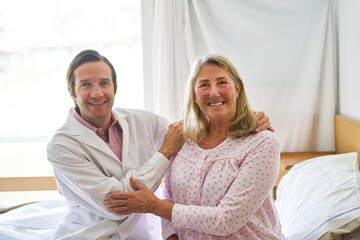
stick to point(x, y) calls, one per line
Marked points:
point(215, 93)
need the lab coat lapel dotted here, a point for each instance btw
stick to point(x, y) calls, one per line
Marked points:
point(125, 132)
point(88, 137)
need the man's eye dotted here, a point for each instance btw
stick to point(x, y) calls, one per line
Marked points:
point(85, 84)
point(105, 83)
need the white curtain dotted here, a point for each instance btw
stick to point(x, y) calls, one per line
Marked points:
point(284, 50)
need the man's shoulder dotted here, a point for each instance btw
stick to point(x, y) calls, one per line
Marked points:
point(137, 114)
point(70, 127)
point(130, 112)
point(61, 134)
point(138, 119)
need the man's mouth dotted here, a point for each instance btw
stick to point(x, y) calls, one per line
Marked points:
point(97, 103)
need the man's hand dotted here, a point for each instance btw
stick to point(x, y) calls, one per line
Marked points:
point(174, 139)
point(264, 123)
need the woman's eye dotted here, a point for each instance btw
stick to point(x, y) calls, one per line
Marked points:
point(223, 82)
point(203, 85)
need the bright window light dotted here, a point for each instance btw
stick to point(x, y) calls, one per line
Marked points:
point(38, 40)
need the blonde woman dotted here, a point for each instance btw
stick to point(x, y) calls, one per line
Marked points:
point(219, 185)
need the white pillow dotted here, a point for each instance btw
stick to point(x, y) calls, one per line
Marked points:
point(319, 195)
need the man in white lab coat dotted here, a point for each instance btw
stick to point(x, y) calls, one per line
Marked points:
point(99, 148)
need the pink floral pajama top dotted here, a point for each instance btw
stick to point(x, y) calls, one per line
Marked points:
point(224, 192)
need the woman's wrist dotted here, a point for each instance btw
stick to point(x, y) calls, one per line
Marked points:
point(163, 209)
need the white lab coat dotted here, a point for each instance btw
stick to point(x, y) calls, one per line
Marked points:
point(86, 170)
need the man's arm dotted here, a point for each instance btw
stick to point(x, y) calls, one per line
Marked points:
point(84, 183)
point(81, 177)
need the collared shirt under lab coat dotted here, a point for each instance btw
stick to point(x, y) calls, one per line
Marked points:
point(86, 170)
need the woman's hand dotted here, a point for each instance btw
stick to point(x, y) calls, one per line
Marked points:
point(141, 201)
point(264, 123)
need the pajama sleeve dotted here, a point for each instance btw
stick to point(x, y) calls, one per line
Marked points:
point(167, 226)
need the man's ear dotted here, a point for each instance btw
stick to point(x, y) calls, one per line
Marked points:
point(69, 90)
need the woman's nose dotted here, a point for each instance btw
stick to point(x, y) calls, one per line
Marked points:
point(214, 91)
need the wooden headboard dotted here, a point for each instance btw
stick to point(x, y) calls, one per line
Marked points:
point(347, 137)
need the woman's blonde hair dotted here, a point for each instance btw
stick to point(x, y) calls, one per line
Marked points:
point(196, 123)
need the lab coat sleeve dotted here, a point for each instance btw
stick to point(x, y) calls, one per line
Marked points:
point(152, 172)
point(84, 183)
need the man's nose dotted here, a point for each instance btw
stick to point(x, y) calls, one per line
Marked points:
point(96, 92)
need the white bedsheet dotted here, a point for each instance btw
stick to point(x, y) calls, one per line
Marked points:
point(37, 221)
point(319, 195)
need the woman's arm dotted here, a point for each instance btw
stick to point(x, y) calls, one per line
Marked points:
point(167, 227)
point(144, 201)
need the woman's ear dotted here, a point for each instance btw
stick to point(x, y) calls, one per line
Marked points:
point(194, 97)
point(237, 88)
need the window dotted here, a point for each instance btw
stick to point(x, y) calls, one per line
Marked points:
point(38, 39)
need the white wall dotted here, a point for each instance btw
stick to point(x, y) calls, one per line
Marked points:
point(349, 59)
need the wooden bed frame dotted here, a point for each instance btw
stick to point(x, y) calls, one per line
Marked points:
point(347, 137)
point(27, 184)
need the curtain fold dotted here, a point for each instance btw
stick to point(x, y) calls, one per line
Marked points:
point(170, 57)
point(285, 52)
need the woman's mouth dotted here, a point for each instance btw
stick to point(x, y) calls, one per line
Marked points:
point(217, 103)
